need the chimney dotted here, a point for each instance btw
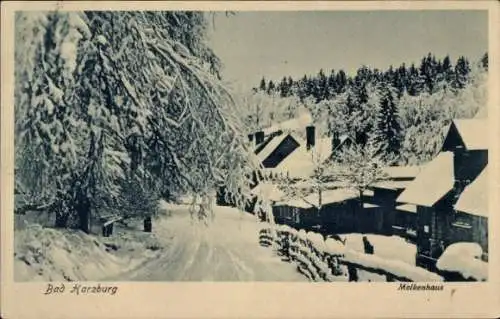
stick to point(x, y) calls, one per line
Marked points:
point(259, 137)
point(311, 139)
point(250, 137)
point(335, 140)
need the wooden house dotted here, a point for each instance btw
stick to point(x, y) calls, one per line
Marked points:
point(439, 185)
point(383, 200)
point(471, 217)
point(277, 149)
point(432, 193)
point(335, 214)
point(405, 222)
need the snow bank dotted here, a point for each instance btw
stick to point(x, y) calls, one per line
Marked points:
point(464, 259)
point(302, 234)
point(395, 267)
point(387, 247)
point(48, 254)
point(334, 247)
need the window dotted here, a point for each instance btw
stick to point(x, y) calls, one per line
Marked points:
point(426, 228)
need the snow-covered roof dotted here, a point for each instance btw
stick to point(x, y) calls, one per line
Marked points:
point(295, 124)
point(268, 191)
point(333, 196)
point(296, 202)
point(474, 198)
point(327, 197)
point(402, 171)
point(434, 181)
point(368, 192)
point(388, 184)
point(407, 208)
point(301, 162)
point(274, 143)
point(474, 133)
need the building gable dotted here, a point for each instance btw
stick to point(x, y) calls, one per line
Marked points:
point(285, 148)
point(453, 140)
point(470, 134)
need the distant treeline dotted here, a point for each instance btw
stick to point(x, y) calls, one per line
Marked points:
point(412, 79)
point(404, 111)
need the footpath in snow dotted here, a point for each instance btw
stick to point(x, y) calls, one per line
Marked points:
point(225, 250)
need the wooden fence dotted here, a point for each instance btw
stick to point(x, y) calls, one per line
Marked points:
point(329, 260)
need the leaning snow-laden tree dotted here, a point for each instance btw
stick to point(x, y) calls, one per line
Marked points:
point(123, 105)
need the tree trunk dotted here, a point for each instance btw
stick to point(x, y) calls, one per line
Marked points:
point(148, 224)
point(62, 220)
point(83, 210)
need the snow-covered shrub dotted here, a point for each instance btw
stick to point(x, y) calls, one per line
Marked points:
point(464, 258)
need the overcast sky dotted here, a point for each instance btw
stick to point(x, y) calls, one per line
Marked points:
point(274, 44)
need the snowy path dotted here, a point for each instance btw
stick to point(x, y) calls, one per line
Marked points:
point(227, 250)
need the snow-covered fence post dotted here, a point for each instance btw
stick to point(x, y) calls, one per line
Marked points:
point(284, 241)
point(265, 237)
point(294, 248)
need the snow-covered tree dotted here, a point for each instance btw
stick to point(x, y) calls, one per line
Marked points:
point(360, 166)
point(388, 128)
point(322, 173)
point(113, 102)
point(259, 110)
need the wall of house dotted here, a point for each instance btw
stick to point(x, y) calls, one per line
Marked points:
point(470, 228)
point(468, 165)
point(405, 224)
point(337, 218)
point(309, 217)
point(386, 214)
point(287, 215)
point(434, 229)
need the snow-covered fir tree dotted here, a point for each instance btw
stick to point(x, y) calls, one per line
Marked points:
point(388, 129)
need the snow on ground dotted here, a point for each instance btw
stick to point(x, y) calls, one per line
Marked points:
point(48, 254)
point(387, 247)
point(465, 259)
point(179, 249)
point(225, 250)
